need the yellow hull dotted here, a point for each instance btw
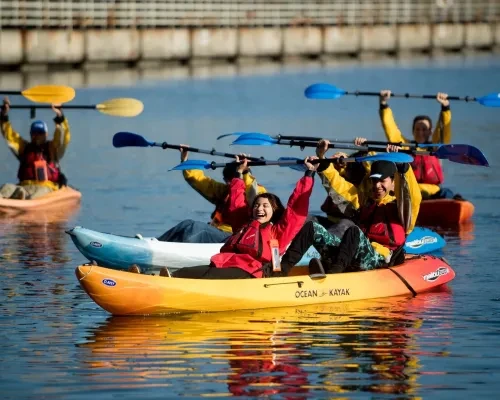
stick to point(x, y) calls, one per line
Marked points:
point(125, 293)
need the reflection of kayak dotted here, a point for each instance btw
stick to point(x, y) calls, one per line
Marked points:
point(445, 211)
point(120, 252)
point(64, 197)
point(125, 293)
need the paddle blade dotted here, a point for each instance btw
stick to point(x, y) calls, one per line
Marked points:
point(394, 157)
point(238, 134)
point(296, 167)
point(255, 139)
point(123, 107)
point(56, 94)
point(322, 91)
point(462, 154)
point(490, 100)
point(192, 164)
point(128, 139)
point(423, 240)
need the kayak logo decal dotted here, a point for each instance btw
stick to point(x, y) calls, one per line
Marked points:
point(325, 292)
point(109, 282)
point(96, 244)
point(417, 243)
point(432, 276)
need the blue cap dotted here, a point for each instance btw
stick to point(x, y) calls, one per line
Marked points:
point(39, 127)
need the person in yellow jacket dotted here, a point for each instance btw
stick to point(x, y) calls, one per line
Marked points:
point(39, 172)
point(427, 169)
point(217, 193)
point(384, 217)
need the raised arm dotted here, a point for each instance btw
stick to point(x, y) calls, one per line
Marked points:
point(442, 132)
point(392, 132)
point(15, 142)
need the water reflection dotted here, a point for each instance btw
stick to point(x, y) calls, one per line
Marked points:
point(292, 352)
point(35, 238)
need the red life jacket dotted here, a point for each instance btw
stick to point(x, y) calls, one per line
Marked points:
point(427, 169)
point(380, 223)
point(248, 249)
point(32, 154)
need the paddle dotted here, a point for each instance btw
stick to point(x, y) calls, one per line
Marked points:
point(325, 91)
point(45, 93)
point(423, 240)
point(201, 164)
point(122, 107)
point(458, 153)
point(128, 139)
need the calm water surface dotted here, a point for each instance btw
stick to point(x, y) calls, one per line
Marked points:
point(56, 343)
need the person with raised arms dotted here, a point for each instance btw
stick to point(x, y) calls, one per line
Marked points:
point(39, 172)
point(263, 229)
point(428, 170)
point(217, 193)
point(384, 216)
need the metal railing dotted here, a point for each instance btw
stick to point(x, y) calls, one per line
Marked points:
point(233, 13)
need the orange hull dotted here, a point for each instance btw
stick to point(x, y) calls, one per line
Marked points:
point(125, 293)
point(65, 197)
point(445, 212)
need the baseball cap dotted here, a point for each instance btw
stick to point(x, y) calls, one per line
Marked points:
point(382, 169)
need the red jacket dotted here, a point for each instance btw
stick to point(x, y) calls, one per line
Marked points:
point(249, 247)
point(381, 224)
point(27, 160)
point(427, 169)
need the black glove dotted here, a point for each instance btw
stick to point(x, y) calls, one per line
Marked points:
point(59, 120)
point(402, 167)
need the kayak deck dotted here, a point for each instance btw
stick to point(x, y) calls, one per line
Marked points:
point(126, 293)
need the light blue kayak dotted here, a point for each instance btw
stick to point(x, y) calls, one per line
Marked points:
point(150, 254)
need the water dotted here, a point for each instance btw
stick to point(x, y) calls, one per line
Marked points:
point(56, 343)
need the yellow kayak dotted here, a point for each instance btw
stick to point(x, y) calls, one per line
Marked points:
point(126, 293)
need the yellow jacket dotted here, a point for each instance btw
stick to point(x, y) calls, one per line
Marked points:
point(443, 135)
point(56, 147)
point(350, 199)
point(217, 192)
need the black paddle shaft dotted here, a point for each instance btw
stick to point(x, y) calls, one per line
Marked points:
point(212, 152)
point(65, 106)
point(411, 96)
point(368, 142)
point(215, 165)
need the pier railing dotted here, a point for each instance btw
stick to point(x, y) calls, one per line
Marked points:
point(78, 14)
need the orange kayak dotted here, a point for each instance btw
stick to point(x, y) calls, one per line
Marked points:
point(126, 293)
point(445, 211)
point(64, 197)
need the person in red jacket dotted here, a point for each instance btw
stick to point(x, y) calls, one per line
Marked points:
point(262, 231)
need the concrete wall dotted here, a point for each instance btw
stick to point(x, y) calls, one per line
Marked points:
point(54, 47)
point(164, 44)
point(414, 37)
point(112, 45)
point(302, 41)
point(342, 40)
point(448, 36)
point(131, 45)
point(379, 38)
point(254, 42)
point(11, 48)
point(479, 35)
point(215, 43)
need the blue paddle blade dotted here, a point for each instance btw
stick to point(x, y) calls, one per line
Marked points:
point(462, 154)
point(324, 91)
point(192, 164)
point(394, 157)
point(128, 139)
point(490, 100)
point(296, 167)
point(423, 240)
point(237, 134)
point(255, 139)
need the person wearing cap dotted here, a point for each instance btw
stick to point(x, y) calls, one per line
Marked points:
point(384, 216)
point(39, 172)
point(427, 169)
point(217, 193)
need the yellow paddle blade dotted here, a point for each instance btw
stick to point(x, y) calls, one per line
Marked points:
point(49, 94)
point(123, 107)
